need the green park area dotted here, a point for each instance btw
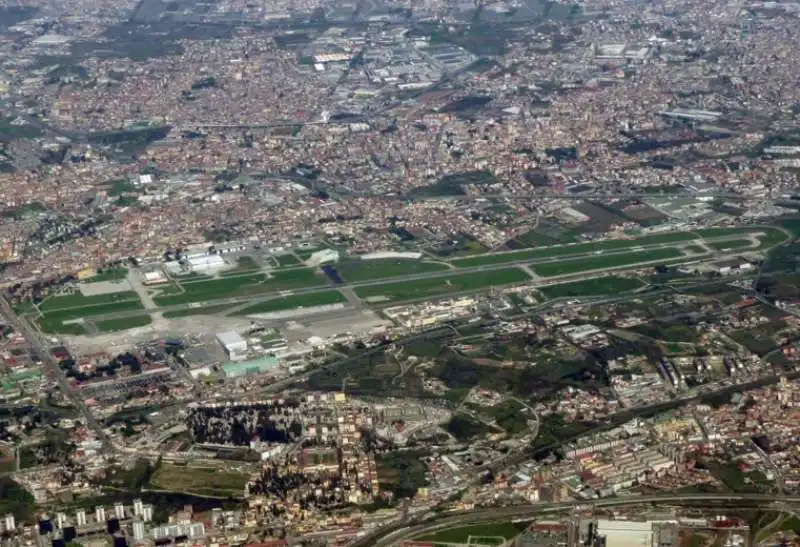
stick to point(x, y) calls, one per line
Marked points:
point(241, 285)
point(211, 482)
point(365, 270)
point(599, 262)
point(597, 286)
point(309, 300)
point(441, 286)
point(506, 530)
point(123, 323)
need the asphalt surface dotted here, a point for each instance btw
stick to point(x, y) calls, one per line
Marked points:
point(534, 282)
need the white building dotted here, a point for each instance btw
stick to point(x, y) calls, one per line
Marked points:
point(138, 530)
point(323, 257)
point(11, 524)
point(234, 345)
point(206, 263)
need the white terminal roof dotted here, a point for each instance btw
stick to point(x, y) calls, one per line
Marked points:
point(231, 338)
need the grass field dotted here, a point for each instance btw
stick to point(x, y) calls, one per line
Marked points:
point(287, 260)
point(204, 310)
point(123, 323)
point(433, 287)
point(112, 274)
point(295, 301)
point(595, 286)
point(771, 237)
point(202, 481)
point(252, 284)
point(507, 530)
point(598, 262)
point(576, 249)
point(77, 299)
point(365, 270)
point(731, 244)
point(53, 321)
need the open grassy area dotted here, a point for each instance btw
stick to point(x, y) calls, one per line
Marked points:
point(441, 286)
point(731, 244)
point(53, 321)
point(201, 481)
point(242, 285)
point(287, 260)
point(589, 287)
point(112, 274)
point(364, 270)
point(574, 249)
point(77, 299)
point(295, 301)
point(507, 530)
point(599, 262)
point(123, 323)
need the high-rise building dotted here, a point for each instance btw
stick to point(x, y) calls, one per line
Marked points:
point(138, 530)
point(100, 514)
point(147, 513)
point(137, 507)
point(10, 522)
point(80, 517)
point(119, 510)
point(61, 520)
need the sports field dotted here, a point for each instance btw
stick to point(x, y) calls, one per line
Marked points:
point(599, 262)
point(241, 285)
point(295, 301)
point(439, 286)
point(597, 286)
point(365, 270)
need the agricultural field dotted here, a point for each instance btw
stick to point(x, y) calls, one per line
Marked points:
point(597, 286)
point(242, 285)
point(309, 300)
point(202, 481)
point(599, 262)
point(123, 323)
point(441, 286)
point(365, 270)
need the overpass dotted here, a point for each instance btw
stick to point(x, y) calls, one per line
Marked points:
point(398, 532)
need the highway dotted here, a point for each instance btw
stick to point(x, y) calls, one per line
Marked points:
point(254, 299)
point(41, 345)
point(392, 535)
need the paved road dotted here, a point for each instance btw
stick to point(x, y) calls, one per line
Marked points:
point(42, 346)
point(394, 534)
point(254, 299)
